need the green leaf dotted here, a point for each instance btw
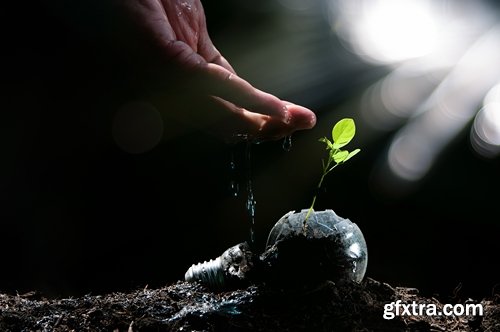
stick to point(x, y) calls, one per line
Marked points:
point(343, 132)
point(340, 156)
point(351, 154)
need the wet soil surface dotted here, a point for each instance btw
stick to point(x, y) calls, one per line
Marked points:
point(192, 307)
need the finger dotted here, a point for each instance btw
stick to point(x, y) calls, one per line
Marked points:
point(206, 48)
point(211, 54)
point(218, 59)
point(230, 87)
point(252, 126)
point(238, 124)
point(300, 117)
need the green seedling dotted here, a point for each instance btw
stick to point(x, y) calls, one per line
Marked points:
point(342, 133)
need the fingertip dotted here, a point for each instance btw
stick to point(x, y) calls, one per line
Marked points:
point(301, 117)
point(312, 120)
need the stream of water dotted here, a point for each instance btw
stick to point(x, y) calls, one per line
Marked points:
point(234, 183)
point(251, 203)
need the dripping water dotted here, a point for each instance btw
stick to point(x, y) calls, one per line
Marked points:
point(287, 143)
point(234, 186)
point(234, 183)
point(250, 198)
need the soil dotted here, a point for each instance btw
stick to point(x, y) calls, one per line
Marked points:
point(186, 306)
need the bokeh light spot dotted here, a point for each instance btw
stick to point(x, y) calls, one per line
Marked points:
point(485, 136)
point(137, 127)
point(387, 31)
point(410, 157)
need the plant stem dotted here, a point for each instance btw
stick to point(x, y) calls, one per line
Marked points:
point(326, 170)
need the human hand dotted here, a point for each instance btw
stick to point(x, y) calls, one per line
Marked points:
point(177, 30)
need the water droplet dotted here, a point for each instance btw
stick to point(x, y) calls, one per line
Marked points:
point(234, 188)
point(186, 6)
point(287, 143)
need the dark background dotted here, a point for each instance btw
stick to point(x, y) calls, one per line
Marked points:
point(78, 214)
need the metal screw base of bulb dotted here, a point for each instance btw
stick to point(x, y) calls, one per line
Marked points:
point(230, 269)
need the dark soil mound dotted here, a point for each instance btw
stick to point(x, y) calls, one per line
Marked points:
point(191, 307)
